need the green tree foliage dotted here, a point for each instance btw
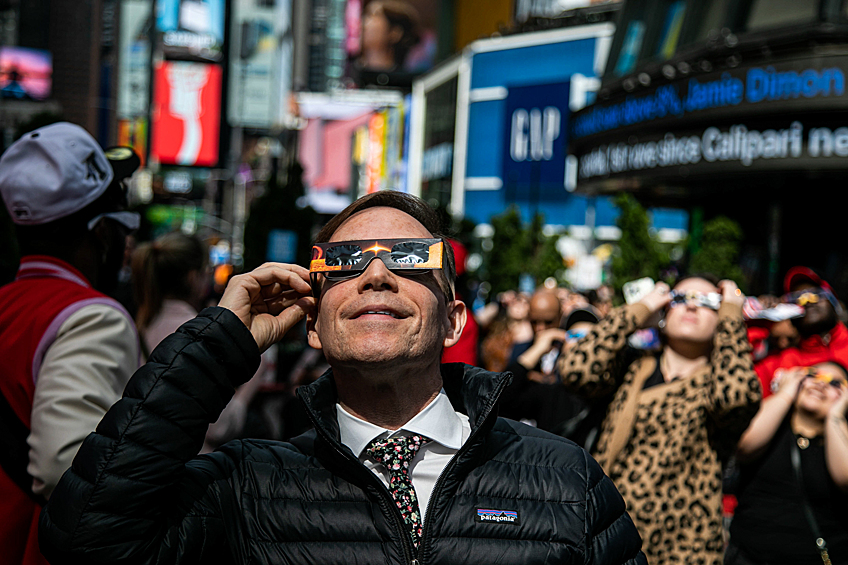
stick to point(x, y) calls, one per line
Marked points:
point(718, 250)
point(518, 249)
point(638, 254)
point(276, 209)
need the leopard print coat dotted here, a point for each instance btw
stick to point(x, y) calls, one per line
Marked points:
point(664, 446)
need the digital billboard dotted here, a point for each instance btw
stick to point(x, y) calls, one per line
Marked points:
point(259, 50)
point(390, 41)
point(186, 113)
point(25, 74)
point(191, 28)
point(134, 59)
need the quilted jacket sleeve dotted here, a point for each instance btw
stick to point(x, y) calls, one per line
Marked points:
point(612, 538)
point(135, 492)
point(591, 367)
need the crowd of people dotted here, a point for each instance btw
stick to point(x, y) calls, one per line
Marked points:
point(336, 413)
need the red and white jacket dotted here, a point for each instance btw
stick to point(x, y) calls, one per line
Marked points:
point(67, 352)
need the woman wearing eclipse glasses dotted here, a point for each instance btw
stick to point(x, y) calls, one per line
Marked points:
point(793, 492)
point(675, 415)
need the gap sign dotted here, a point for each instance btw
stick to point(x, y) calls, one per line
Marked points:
point(534, 154)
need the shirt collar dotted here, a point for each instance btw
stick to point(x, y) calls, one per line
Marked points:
point(438, 421)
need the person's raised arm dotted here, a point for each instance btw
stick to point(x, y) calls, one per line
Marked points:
point(733, 387)
point(836, 441)
point(589, 368)
point(542, 344)
point(136, 491)
point(772, 412)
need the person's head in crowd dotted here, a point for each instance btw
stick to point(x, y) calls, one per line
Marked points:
point(823, 385)
point(545, 310)
point(174, 266)
point(380, 315)
point(573, 301)
point(68, 200)
point(782, 335)
point(389, 32)
point(517, 307)
point(600, 299)
point(691, 318)
point(577, 324)
point(821, 308)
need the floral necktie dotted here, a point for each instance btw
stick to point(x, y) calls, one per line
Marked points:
point(395, 454)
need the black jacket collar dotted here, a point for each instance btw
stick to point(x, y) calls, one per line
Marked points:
point(471, 390)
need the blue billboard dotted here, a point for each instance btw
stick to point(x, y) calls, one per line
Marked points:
point(522, 92)
point(520, 97)
point(534, 154)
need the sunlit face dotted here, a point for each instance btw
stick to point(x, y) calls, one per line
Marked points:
point(818, 316)
point(544, 311)
point(816, 396)
point(519, 308)
point(382, 316)
point(690, 322)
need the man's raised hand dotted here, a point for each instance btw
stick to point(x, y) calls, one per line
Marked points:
point(269, 300)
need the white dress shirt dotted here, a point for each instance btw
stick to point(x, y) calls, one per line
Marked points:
point(438, 421)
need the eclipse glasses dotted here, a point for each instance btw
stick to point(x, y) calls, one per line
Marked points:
point(341, 260)
point(806, 296)
point(710, 300)
point(835, 381)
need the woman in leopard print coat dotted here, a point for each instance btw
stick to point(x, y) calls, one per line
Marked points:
point(673, 418)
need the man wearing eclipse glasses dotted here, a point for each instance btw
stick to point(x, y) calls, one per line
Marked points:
point(408, 461)
point(823, 337)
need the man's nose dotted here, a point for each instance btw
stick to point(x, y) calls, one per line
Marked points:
point(377, 277)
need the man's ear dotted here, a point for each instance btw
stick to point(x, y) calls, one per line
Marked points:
point(311, 333)
point(457, 316)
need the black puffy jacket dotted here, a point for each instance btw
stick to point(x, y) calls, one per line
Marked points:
point(137, 493)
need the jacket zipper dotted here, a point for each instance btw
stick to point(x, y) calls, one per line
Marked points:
point(466, 446)
point(410, 554)
point(408, 550)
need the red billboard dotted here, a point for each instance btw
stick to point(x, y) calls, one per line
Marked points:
point(186, 116)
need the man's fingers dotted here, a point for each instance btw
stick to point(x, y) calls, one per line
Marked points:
point(279, 303)
point(292, 314)
point(289, 276)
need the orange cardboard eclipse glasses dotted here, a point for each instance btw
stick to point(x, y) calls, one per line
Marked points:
point(348, 259)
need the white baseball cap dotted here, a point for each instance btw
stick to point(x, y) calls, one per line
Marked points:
point(55, 171)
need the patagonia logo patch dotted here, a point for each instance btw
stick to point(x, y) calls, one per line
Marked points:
point(498, 516)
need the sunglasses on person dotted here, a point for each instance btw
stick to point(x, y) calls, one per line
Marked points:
point(711, 300)
point(806, 296)
point(341, 260)
point(825, 377)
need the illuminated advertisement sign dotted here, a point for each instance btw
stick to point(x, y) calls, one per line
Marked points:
point(191, 28)
point(134, 59)
point(186, 113)
point(259, 51)
point(757, 85)
point(387, 42)
point(534, 157)
point(776, 117)
point(25, 74)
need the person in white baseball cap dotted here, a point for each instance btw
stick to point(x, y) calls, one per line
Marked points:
point(68, 348)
